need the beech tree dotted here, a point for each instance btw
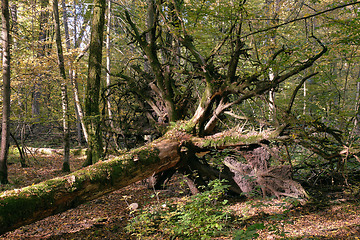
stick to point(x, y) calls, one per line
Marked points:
point(5, 126)
point(64, 97)
point(92, 111)
point(73, 73)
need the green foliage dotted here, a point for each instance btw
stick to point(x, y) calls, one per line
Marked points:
point(249, 233)
point(202, 216)
point(14, 155)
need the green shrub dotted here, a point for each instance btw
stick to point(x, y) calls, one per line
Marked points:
point(201, 216)
point(249, 233)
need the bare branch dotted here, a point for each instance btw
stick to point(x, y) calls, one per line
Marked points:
point(302, 18)
point(296, 91)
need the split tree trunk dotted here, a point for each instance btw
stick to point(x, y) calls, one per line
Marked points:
point(176, 150)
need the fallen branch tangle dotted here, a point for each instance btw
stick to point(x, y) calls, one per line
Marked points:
point(176, 148)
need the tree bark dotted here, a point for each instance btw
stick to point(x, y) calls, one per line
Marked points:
point(75, 87)
point(5, 131)
point(108, 62)
point(77, 103)
point(23, 206)
point(92, 111)
point(357, 110)
point(64, 97)
point(14, 28)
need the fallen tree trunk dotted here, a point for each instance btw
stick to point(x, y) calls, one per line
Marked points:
point(27, 205)
point(177, 150)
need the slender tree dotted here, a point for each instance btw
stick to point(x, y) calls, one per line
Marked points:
point(92, 110)
point(108, 72)
point(42, 51)
point(72, 74)
point(66, 139)
point(108, 62)
point(14, 38)
point(5, 131)
point(14, 27)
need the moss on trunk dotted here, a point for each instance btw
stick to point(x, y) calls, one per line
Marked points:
point(23, 206)
point(92, 111)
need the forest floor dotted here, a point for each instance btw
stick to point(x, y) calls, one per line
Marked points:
point(332, 216)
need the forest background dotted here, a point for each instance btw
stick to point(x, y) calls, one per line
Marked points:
point(285, 72)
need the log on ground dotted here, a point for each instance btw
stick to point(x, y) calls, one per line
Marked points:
point(27, 205)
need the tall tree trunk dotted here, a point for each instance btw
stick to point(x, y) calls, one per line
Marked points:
point(304, 95)
point(92, 110)
point(5, 130)
point(272, 9)
point(272, 105)
point(108, 62)
point(75, 87)
point(357, 110)
point(43, 34)
point(66, 137)
point(66, 25)
point(78, 106)
point(108, 73)
point(14, 27)
point(72, 76)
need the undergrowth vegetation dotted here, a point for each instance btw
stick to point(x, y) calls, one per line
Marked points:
point(201, 216)
point(207, 215)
